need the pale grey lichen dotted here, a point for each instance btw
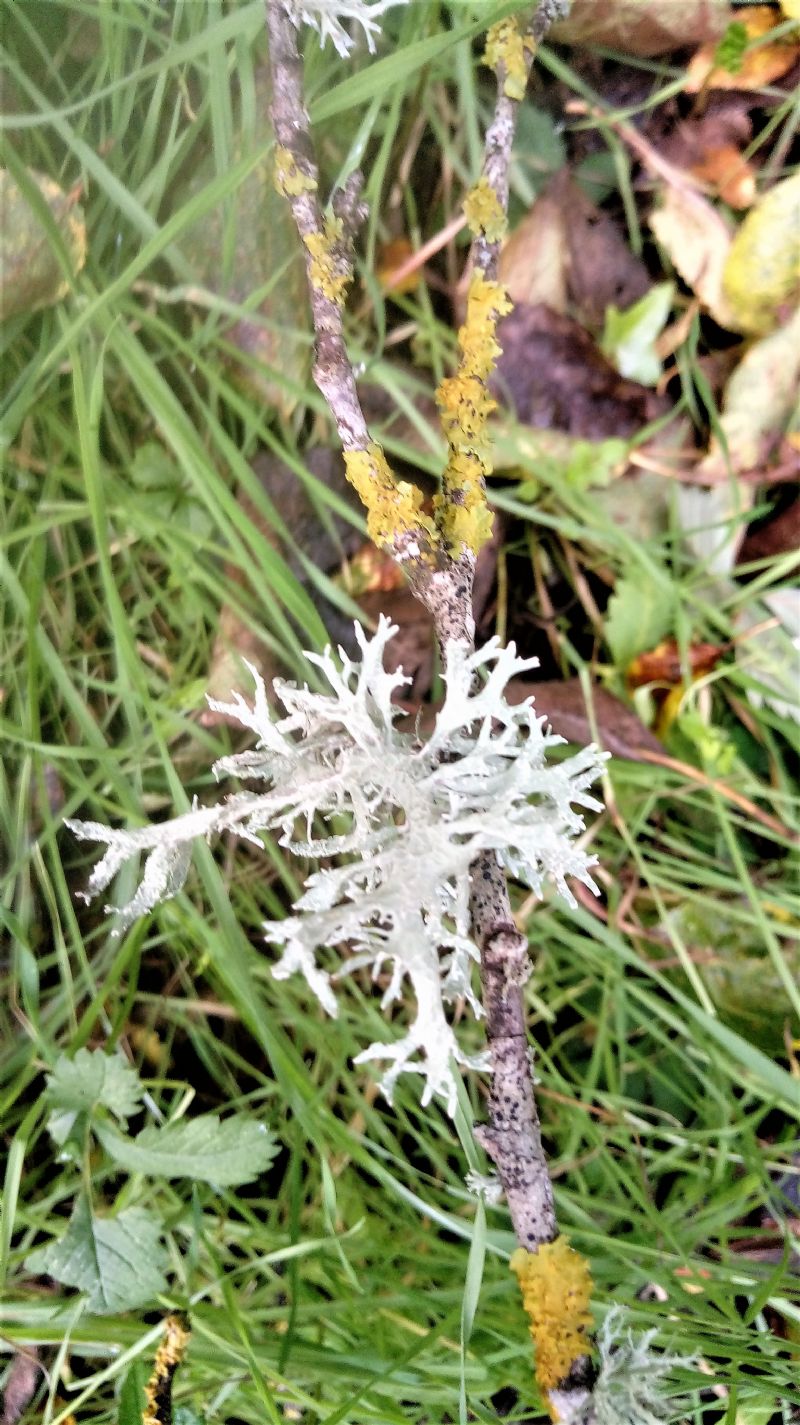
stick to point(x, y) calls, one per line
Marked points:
point(405, 819)
point(327, 16)
point(631, 1382)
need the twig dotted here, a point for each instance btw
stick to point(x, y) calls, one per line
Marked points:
point(439, 558)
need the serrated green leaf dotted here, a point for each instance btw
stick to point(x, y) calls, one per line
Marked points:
point(118, 1262)
point(629, 337)
point(210, 1151)
point(92, 1079)
point(639, 616)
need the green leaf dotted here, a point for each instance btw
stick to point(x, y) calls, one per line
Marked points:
point(118, 1262)
point(223, 1154)
point(92, 1079)
point(639, 615)
point(595, 463)
point(132, 1397)
point(629, 337)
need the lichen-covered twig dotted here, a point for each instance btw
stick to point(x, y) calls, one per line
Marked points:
point(439, 557)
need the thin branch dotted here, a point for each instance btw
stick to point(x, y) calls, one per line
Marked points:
point(439, 558)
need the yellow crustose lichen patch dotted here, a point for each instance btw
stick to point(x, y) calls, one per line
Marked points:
point(462, 514)
point(483, 211)
point(556, 1288)
point(506, 47)
point(290, 180)
point(393, 506)
point(322, 269)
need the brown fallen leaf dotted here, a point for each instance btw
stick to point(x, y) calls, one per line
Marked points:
point(392, 257)
point(618, 728)
point(776, 533)
point(760, 64)
point(551, 374)
point(641, 27)
point(697, 240)
point(663, 664)
point(533, 263)
point(727, 171)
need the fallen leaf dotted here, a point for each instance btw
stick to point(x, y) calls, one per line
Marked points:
point(776, 533)
point(713, 521)
point(641, 27)
point(728, 171)
point(697, 240)
point(758, 402)
point(391, 256)
point(739, 62)
point(551, 374)
point(533, 262)
point(602, 270)
point(772, 657)
point(616, 727)
point(31, 275)
point(709, 144)
point(762, 269)
point(663, 664)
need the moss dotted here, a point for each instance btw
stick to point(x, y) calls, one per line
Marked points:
point(484, 212)
point(393, 506)
point(290, 180)
point(556, 1288)
point(505, 53)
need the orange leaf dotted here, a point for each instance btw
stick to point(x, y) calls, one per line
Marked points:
point(762, 64)
point(727, 171)
point(391, 256)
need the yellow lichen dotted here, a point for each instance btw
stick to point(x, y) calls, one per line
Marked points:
point(556, 1288)
point(393, 506)
point(483, 211)
point(290, 180)
point(461, 511)
point(505, 54)
point(158, 1390)
point(324, 271)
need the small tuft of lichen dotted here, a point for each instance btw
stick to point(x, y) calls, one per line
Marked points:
point(556, 1288)
point(326, 270)
point(394, 507)
point(290, 180)
point(484, 212)
point(505, 53)
point(461, 511)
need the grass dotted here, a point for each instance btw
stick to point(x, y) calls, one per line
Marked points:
point(357, 1281)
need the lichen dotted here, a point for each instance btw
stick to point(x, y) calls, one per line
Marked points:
point(556, 1288)
point(326, 270)
point(460, 509)
point(394, 507)
point(290, 180)
point(505, 53)
point(484, 211)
